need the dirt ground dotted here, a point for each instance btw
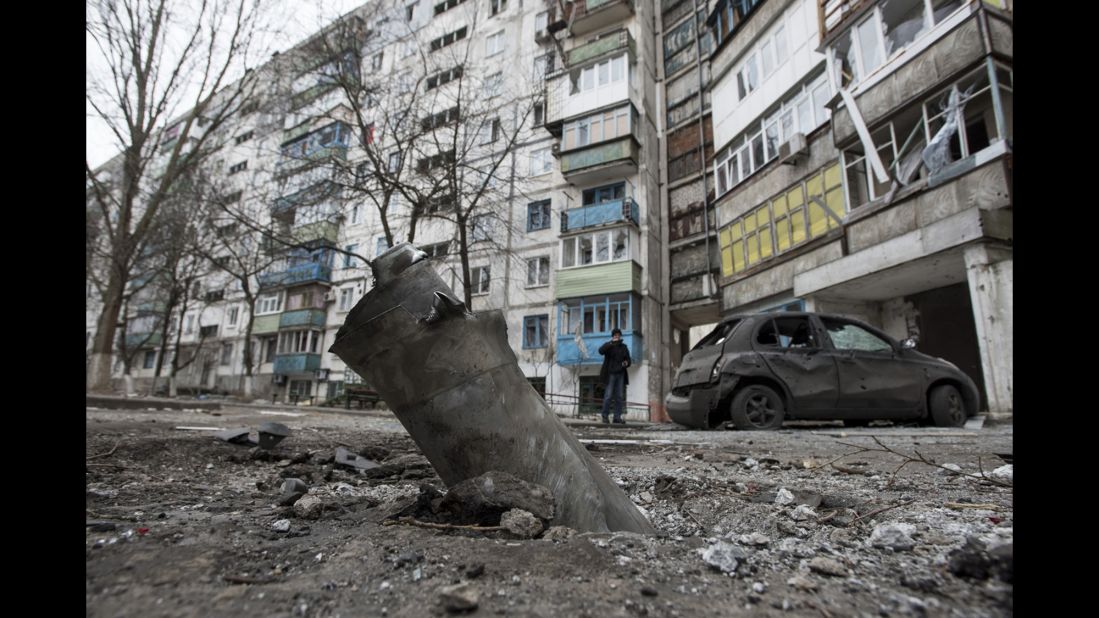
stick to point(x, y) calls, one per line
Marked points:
point(752, 523)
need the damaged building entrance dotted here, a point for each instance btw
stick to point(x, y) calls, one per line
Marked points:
point(944, 323)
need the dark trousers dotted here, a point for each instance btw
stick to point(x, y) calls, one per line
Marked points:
point(614, 392)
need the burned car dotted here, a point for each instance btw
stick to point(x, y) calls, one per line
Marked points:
point(759, 370)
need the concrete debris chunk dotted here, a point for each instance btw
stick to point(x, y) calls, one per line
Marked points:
point(784, 497)
point(827, 566)
point(897, 537)
point(521, 523)
point(459, 598)
point(309, 507)
point(271, 434)
point(559, 534)
point(483, 499)
point(1004, 473)
point(292, 490)
point(724, 557)
point(345, 457)
point(282, 525)
point(803, 513)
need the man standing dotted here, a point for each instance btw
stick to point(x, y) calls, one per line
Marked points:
point(616, 358)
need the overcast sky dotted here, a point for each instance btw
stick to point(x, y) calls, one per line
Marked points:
point(297, 20)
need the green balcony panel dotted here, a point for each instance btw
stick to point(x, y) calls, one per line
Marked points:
point(302, 317)
point(265, 324)
point(324, 231)
point(623, 150)
point(610, 278)
point(616, 42)
point(297, 363)
point(144, 340)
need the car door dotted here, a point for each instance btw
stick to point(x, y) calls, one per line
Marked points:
point(871, 374)
point(793, 350)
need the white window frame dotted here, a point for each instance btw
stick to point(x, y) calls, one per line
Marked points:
point(480, 228)
point(495, 44)
point(494, 85)
point(480, 280)
point(541, 271)
point(233, 315)
point(347, 299)
point(543, 19)
point(541, 162)
point(267, 304)
point(572, 244)
point(356, 215)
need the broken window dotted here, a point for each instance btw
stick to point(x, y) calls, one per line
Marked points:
point(794, 332)
point(847, 336)
point(538, 271)
point(535, 331)
point(718, 335)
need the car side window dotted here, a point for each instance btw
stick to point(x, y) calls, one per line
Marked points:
point(787, 333)
point(847, 336)
point(717, 336)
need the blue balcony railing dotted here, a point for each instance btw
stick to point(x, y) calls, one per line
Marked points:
point(614, 211)
point(568, 353)
point(302, 317)
point(297, 363)
point(302, 273)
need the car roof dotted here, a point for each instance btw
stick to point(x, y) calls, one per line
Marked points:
point(785, 314)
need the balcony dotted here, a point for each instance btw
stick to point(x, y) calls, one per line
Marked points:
point(302, 317)
point(610, 278)
point(568, 353)
point(309, 196)
point(297, 363)
point(142, 340)
point(603, 161)
point(302, 273)
point(606, 45)
point(592, 15)
point(264, 324)
point(614, 211)
point(288, 165)
point(320, 233)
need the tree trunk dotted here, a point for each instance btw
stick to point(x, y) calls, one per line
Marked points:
point(248, 386)
point(129, 381)
point(99, 369)
point(172, 386)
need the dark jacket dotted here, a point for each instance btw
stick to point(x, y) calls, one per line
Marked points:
point(613, 355)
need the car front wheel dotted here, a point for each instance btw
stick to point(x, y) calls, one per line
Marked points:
point(757, 407)
point(947, 407)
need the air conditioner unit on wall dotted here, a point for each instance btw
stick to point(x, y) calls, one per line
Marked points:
point(555, 149)
point(330, 296)
point(793, 150)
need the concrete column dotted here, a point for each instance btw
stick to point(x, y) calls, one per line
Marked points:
point(989, 271)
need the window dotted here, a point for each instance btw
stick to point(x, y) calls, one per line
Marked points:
point(595, 248)
point(538, 271)
point(226, 353)
point(718, 335)
point(334, 135)
point(150, 359)
point(244, 137)
point(234, 314)
point(847, 336)
point(409, 12)
point(543, 65)
point(802, 112)
point(300, 342)
point(269, 346)
point(376, 61)
point(541, 21)
point(787, 333)
point(347, 299)
point(479, 280)
point(494, 84)
point(214, 295)
point(208, 331)
point(233, 198)
point(394, 162)
point(602, 195)
point(541, 162)
point(269, 303)
point(498, 6)
point(535, 331)
point(443, 77)
point(442, 7)
point(239, 167)
point(448, 39)
point(356, 214)
point(600, 315)
point(481, 228)
point(494, 43)
point(727, 17)
point(189, 325)
point(436, 250)
point(538, 215)
point(808, 209)
point(539, 113)
point(349, 260)
point(600, 127)
point(380, 245)
point(490, 131)
point(599, 75)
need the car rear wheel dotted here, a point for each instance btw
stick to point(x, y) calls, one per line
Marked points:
point(947, 406)
point(757, 407)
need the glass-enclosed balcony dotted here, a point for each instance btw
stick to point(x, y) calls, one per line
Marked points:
point(594, 317)
point(569, 353)
point(297, 363)
point(293, 275)
point(603, 161)
point(606, 45)
point(614, 211)
point(314, 194)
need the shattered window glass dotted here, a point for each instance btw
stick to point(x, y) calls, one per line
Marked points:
point(846, 336)
point(793, 332)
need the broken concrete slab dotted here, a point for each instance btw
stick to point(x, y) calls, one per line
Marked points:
point(724, 557)
point(454, 383)
point(271, 434)
point(292, 490)
point(521, 523)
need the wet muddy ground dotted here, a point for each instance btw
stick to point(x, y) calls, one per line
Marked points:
point(802, 521)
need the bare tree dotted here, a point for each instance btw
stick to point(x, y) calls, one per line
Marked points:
point(160, 58)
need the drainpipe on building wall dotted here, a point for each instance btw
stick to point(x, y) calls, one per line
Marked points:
point(708, 288)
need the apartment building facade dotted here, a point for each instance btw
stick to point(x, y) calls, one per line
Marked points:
point(863, 167)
